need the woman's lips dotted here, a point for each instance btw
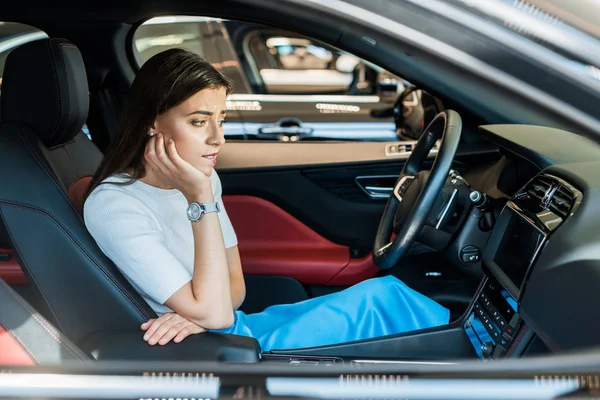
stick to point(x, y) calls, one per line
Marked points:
point(212, 158)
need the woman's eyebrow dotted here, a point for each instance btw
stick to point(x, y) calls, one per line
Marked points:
point(204, 112)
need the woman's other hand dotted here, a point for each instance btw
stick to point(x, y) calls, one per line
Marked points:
point(167, 327)
point(174, 171)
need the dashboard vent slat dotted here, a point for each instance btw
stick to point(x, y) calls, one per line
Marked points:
point(538, 188)
point(562, 201)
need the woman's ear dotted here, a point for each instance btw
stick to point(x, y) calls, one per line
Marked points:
point(152, 131)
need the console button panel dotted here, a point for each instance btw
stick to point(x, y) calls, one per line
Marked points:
point(493, 321)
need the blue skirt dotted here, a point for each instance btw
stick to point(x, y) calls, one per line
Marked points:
point(373, 308)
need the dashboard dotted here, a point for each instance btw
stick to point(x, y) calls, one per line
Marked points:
point(541, 262)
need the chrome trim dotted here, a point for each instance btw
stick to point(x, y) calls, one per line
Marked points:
point(402, 362)
point(304, 98)
point(380, 190)
point(399, 184)
point(549, 195)
point(107, 387)
point(403, 387)
point(384, 248)
point(446, 208)
point(375, 192)
point(390, 153)
point(180, 19)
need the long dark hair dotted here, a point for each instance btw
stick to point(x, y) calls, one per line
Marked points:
point(166, 80)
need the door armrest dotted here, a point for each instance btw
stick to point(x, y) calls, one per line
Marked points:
point(208, 346)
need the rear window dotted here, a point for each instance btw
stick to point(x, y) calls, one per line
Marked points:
point(13, 35)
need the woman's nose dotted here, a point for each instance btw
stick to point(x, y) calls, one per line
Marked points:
point(217, 136)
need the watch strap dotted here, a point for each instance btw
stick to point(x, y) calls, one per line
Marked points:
point(210, 207)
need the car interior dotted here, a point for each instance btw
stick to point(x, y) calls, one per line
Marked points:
point(492, 219)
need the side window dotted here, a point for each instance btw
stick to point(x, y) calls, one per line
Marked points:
point(293, 64)
point(13, 35)
point(287, 87)
point(205, 36)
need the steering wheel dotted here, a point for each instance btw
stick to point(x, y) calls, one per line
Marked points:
point(417, 190)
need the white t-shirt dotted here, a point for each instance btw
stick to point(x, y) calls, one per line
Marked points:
point(145, 231)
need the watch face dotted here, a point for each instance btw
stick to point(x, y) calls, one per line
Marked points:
point(194, 211)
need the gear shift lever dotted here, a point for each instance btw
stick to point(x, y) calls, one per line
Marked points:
point(482, 202)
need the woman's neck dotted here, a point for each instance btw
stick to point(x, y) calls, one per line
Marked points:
point(150, 178)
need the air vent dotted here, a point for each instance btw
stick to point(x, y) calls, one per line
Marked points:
point(562, 201)
point(538, 188)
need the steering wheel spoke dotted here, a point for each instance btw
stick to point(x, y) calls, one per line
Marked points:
point(417, 190)
point(402, 185)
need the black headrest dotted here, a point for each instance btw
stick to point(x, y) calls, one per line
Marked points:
point(45, 86)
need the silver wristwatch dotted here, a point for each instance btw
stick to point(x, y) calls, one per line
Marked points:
point(196, 211)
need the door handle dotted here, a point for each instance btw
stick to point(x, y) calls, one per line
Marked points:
point(374, 188)
point(376, 192)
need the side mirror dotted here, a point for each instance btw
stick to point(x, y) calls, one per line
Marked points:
point(346, 63)
point(410, 113)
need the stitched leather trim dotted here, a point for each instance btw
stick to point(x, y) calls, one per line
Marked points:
point(54, 334)
point(78, 246)
point(26, 269)
point(47, 169)
point(466, 312)
point(517, 341)
point(57, 84)
point(16, 338)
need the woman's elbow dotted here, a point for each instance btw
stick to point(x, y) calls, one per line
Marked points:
point(217, 321)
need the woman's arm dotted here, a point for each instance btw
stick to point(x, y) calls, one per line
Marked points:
point(206, 299)
point(236, 277)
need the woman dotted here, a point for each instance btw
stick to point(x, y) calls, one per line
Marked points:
point(154, 207)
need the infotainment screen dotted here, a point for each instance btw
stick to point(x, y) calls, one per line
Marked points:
point(517, 248)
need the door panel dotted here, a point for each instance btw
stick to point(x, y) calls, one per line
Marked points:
point(272, 242)
point(255, 154)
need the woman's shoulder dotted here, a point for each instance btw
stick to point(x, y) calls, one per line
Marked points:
point(114, 192)
point(116, 185)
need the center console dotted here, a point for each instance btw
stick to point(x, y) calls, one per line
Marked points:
point(519, 235)
point(492, 327)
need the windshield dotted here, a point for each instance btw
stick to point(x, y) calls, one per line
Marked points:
point(567, 27)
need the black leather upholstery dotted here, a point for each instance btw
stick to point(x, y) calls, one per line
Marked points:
point(84, 290)
point(208, 346)
point(45, 86)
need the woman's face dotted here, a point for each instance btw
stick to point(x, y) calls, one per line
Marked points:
point(196, 126)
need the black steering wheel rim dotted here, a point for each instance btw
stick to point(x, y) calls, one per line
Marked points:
point(446, 126)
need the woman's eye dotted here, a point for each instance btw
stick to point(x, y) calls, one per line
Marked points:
point(199, 123)
point(221, 122)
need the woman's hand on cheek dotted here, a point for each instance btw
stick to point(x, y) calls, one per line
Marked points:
point(171, 169)
point(167, 327)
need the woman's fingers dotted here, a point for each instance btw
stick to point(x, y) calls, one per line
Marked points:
point(169, 326)
point(174, 155)
point(157, 324)
point(185, 332)
point(163, 159)
point(172, 332)
point(147, 324)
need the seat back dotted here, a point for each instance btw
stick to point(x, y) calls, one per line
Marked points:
point(27, 338)
point(44, 105)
